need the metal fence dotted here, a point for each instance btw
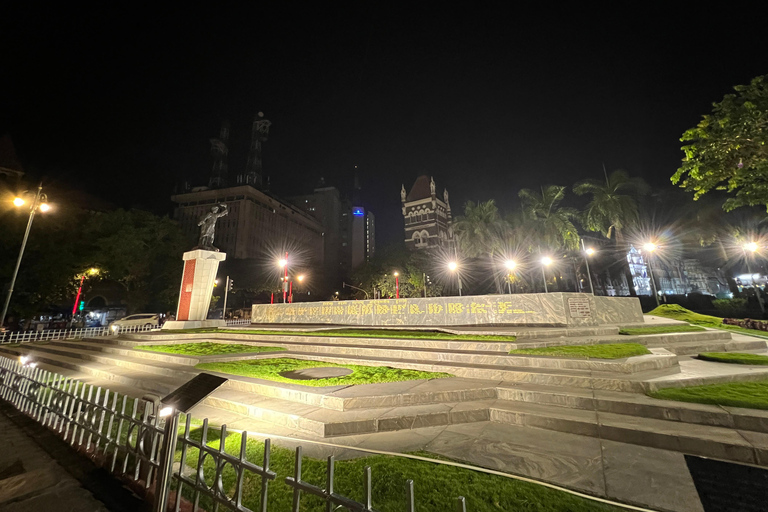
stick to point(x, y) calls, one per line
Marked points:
point(131, 439)
point(62, 334)
point(239, 321)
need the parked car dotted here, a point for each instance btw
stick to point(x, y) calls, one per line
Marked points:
point(140, 320)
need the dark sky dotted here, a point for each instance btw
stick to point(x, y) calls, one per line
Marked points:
point(122, 101)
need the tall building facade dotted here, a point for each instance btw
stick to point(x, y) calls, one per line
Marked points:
point(427, 217)
point(349, 231)
point(258, 223)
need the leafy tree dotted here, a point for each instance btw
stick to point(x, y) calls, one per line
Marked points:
point(612, 208)
point(613, 203)
point(55, 254)
point(142, 252)
point(728, 149)
point(481, 233)
point(550, 224)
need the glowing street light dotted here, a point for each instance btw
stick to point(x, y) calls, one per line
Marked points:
point(651, 247)
point(545, 262)
point(753, 247)
point(588, 252)
point(283, 263)
point(510, 264)
point(454, 267)
point(40, 200)
point(397, 284)
point(299, 278)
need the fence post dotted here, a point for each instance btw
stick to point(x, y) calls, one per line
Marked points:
point(461, 504)
point(165, 471)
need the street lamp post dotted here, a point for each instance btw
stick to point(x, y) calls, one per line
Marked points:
point(510, 264)
point(545, 262)
point(753, 247)
point(40, 202)
point(454, 267)
point(397, 285)
point(650, 247)
point(587, 253)
point(284, 264)
point(93, 272)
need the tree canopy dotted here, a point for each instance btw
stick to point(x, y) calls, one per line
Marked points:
point(728, 149)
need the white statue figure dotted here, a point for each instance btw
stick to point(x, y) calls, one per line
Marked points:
point(208, 227)
point(432, 185)
point(445, 196)
point(402, 193)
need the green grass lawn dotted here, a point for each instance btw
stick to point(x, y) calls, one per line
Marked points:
point(680, 313)
point(357, 333)
point(659, 329)
point(752, 395)
point(734, 357)
point(600, 351)
point(436, 486)
point(206, 348)
point(270, 369)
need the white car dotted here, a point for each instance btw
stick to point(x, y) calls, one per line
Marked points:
point(147, 320)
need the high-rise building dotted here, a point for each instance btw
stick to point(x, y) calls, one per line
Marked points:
point(259, 224)
point(350, 231)
point(428, 221)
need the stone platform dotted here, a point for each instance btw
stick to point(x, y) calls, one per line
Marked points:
point(569, 421)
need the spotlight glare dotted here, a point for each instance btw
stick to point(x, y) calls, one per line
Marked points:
point(751, 246)
point(546, 260)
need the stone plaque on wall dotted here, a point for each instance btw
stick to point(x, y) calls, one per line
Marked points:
point(578, 307)
point(545, 309)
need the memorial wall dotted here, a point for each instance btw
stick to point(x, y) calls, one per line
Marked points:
point(544, 309)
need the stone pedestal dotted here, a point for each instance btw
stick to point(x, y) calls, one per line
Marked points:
point(200, 269)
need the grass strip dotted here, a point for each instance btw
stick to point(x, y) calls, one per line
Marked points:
point(436, 486)
point(659, 329)
point(356, 333)
point(734, 357)
point(206, 348)
point(600, 351)
point(270, 369)
point(751, 395)
point(680, 313)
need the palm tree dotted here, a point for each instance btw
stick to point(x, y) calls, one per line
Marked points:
point(547, 222)
point(611, 209)
point(481, 232)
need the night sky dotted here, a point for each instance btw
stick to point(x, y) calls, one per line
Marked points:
point(122, 102)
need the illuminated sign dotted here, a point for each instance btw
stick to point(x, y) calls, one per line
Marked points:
point(357, 211)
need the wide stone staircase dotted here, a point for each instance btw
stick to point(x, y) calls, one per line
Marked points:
point(603, 399)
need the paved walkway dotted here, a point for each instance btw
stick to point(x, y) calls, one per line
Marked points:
point(39, 472)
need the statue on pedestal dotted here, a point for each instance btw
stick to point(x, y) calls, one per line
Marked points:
point(208, 227)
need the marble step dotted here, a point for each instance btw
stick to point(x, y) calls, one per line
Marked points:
point(649, 340)
point(695, 347)
point(327, 423)
point(703, 440)
point(546, 376)
point(141, 381)
point(637, 405)
point(627, 365)
point(152, 366)
point(125, 351)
